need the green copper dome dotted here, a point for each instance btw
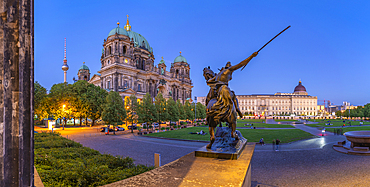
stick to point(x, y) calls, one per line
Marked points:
point(84, 67)
point(180, 59)
point(139, 40)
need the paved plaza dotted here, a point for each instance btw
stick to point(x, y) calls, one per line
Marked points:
point(311, 162)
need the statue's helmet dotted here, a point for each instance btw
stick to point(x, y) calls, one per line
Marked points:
point(228, 64)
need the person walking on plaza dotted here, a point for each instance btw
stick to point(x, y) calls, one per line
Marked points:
point(273, 144)
point(262, 142)
point(277, 144)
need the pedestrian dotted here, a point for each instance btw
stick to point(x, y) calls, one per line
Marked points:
point(262, 142)
point(277, 144)
point(273, 144)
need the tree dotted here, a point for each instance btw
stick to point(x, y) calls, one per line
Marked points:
point(95, 99)
point(82, 108)
point(40, 93)
point(62, 99)
point(172, 110)
point(201, 111)
point(180, 106)
point(160, 105)
point(131, 106)
point(146, 111)
point(113, 110)
point(189, 110)
point(366, 110)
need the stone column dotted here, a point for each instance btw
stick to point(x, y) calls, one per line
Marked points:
point(16, 92)
point(115, 77)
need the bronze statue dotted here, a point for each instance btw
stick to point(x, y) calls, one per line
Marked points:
point(221, 102)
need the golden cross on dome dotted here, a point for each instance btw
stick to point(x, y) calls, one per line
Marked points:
point(118, 23)
point(83, 62)
point(180, 52)
point(162, 57)
point(127, 26)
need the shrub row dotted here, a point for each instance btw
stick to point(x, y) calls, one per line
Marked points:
point(63, 162)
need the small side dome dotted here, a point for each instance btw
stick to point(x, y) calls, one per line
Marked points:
point(299, 88)
point(84, 67)
point(180, 58)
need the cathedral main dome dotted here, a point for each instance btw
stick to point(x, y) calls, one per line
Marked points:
point(139, 40)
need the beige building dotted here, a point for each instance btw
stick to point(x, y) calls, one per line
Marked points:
point(127, 67)
point(296, 103)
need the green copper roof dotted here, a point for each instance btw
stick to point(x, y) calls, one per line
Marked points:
point(139, 41)
point(180, 59)
point(161, 62)
point(84, 67)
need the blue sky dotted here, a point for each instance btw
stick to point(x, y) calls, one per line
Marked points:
point(327, 46)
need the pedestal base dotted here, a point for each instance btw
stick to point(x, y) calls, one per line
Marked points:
point(224, 147)
point(196, 171)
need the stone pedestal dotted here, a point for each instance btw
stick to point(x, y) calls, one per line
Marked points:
point(197, 171)
point(225, 146)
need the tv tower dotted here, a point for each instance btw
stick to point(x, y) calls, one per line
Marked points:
point(65, 66)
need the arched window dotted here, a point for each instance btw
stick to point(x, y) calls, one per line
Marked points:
point(124, 49)
point(143, 44)
point(109, 50)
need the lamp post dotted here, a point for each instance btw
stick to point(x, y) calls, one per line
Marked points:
point(64, 114)
point(195, 108)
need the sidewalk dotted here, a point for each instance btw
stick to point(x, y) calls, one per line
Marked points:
point(312, 130)
point(313, 143)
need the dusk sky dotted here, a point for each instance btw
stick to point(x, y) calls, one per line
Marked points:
point(327, 46)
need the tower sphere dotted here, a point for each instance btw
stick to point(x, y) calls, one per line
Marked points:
point(65, 67)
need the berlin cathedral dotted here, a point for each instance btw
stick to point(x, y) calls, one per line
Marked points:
point(127, 67)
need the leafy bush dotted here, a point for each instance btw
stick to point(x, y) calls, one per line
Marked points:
point(63, 162)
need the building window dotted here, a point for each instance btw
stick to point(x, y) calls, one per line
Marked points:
point(125, 84)
point(139, 87)
point(108, 84)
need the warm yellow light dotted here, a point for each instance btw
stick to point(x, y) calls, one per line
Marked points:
point(125, 60)
point(64, 106)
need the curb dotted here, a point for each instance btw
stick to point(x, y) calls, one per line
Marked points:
point(201, 141)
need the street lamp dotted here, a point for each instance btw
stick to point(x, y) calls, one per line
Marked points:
point(195, 107)
point(64, 106)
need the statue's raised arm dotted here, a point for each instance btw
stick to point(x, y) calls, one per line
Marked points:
point(243, 63)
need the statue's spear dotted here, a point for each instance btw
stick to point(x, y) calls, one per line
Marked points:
point(268, 43)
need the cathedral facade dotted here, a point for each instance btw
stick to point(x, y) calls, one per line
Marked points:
point(127, 67)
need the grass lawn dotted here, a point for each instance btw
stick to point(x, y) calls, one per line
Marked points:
point(265, 125)
point(336, 123)
point(285, 120)
point(183, 134)
point(253, 135)
point(249, 120)
point(346, 129)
